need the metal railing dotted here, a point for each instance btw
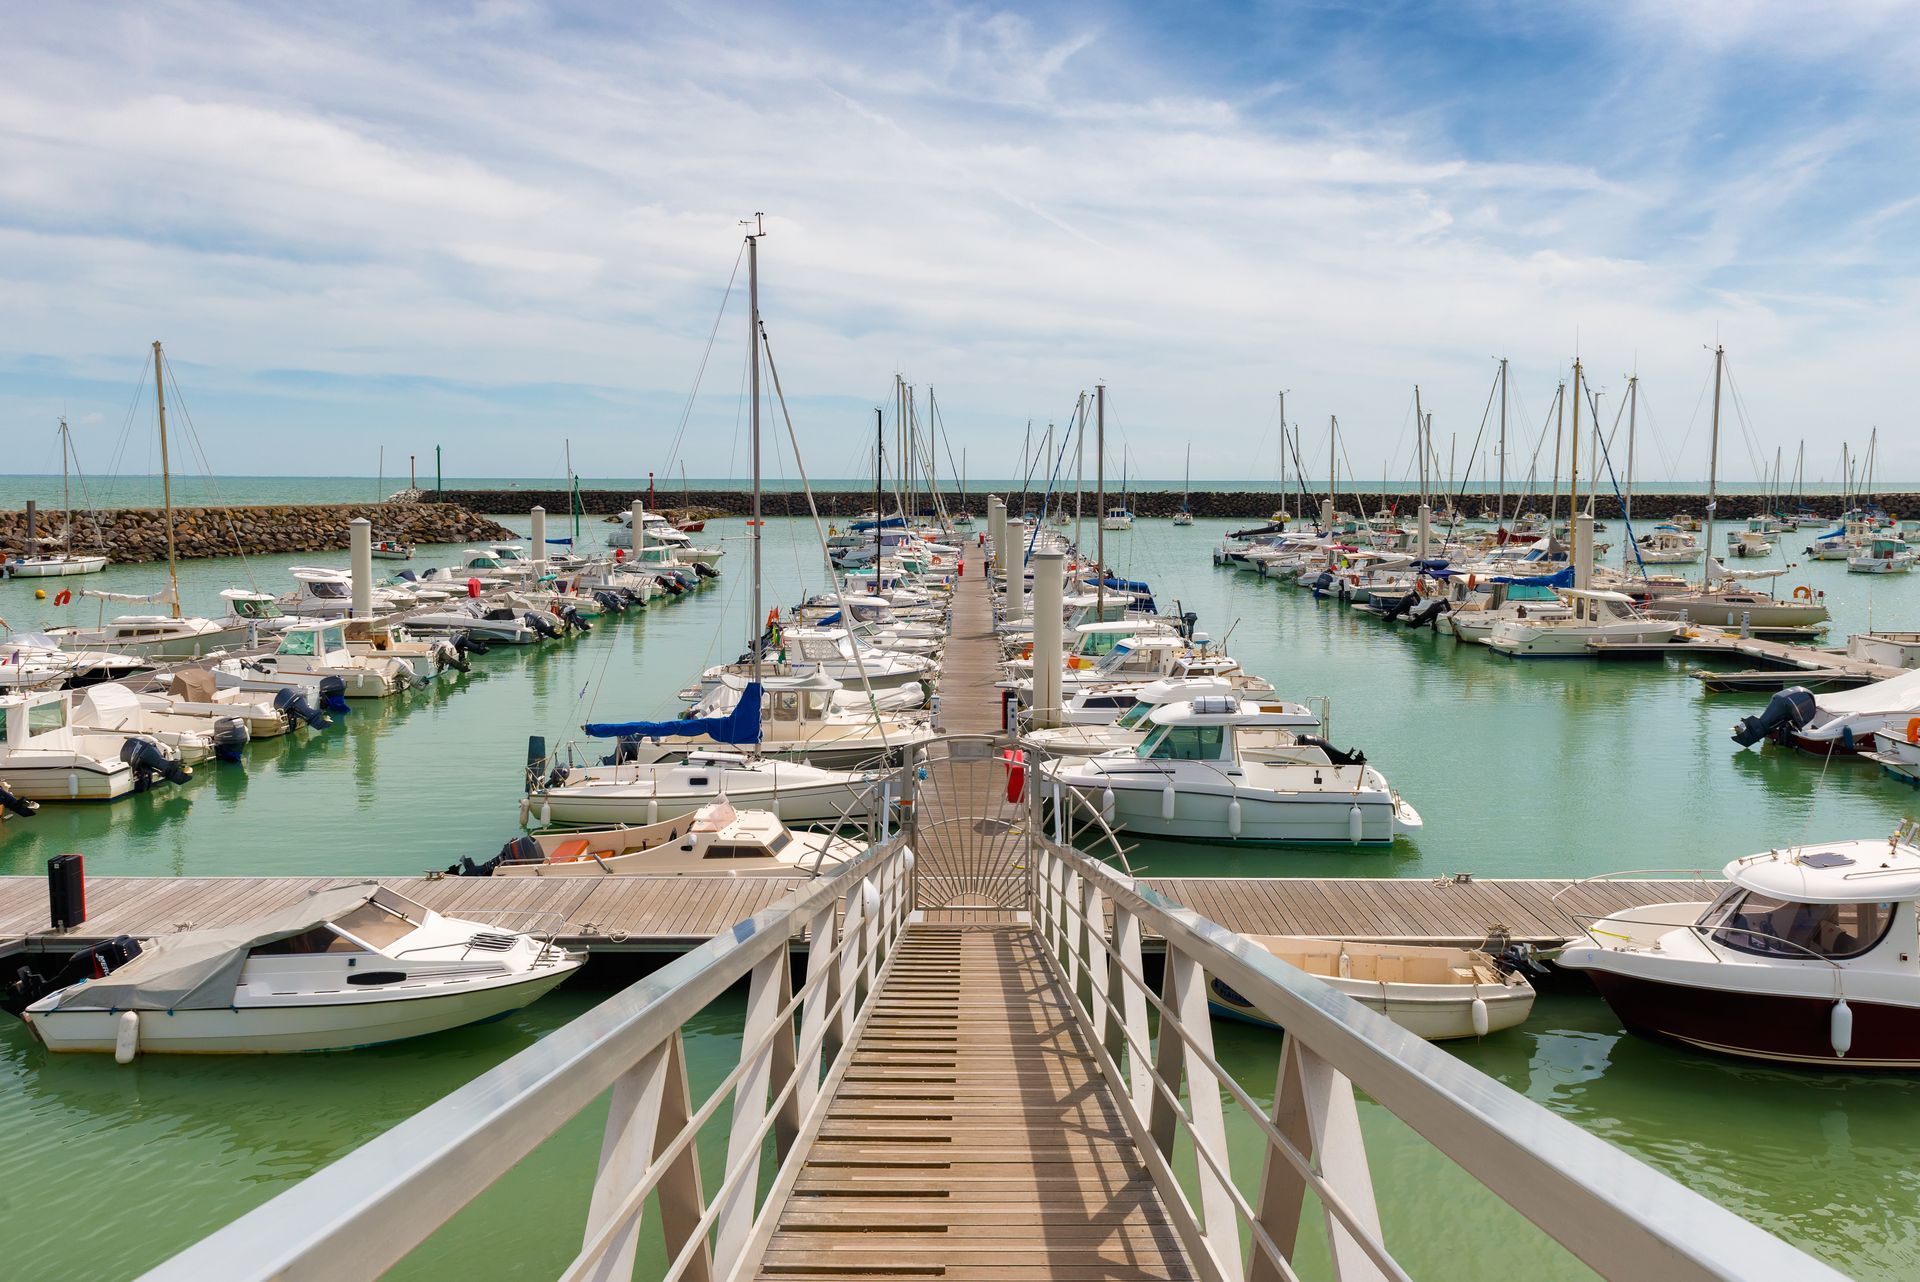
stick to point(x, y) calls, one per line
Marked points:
point(361, 1215)
point(1614, 1213)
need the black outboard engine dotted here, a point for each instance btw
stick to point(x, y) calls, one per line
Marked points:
point(467, 643)
point(150, 761)
point(25, 985)
point(702, 570)
point(447, 655)
point(1788, 710)
point(572, 618)
point(520, 850)
point(1351, 757)
point(333, 696)
point(230, 737)
point(669, 584)
point(293, 705)
point(1323, 582)
point(1401, 606)
point(611, 602)
point(1187, 621)
point(1427, 614)
point(21, 806)
point(540, 624)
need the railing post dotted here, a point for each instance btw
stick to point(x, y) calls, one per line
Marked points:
point(1100, 962)
point(1072, 926)
point(1185, 994)
point(1092, 925)
point(814, 1008)
point(1132, 1033)
point(1313, 1107)
point(650, 1106)
point(847, 973)
point(768, 993)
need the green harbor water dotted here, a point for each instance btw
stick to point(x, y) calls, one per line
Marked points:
point(1519, 769)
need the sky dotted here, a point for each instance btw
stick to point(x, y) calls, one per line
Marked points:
point(508, 228)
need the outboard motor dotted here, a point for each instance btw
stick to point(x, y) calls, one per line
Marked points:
point(22, 806)
point(1401, 606)
point(230, 737)
point(520, 850)
point(150, 761)
point(1788, 710)
point(609, 602)
point(333, 695)
point(293, 705)
point(1323, 582)
point(571, 617)
point(1351, 757)
point(1427, 614)
point(540, 623)
point(1187, 622)
point(467, 643)
point(701, 570)
point(26, 985)
point(447, 655)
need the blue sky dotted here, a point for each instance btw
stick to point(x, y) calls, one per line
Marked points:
point(493, 226)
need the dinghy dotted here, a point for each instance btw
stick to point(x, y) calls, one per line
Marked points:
point(1433, 992)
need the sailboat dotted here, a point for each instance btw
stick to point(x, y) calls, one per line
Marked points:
point(1119, 518)
point(171, 635)
point(65, 562)
point(1185, 515)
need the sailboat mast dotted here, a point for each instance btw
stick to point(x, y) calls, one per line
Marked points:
point(166, 473)
point(66, 493)
point(879, 464)
point(753, 378)
point(1633, 417)
point(1713, 468)
point(1500, 512)
point(1099, 501)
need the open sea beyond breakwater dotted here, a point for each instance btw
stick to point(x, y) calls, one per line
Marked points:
point(1519, 770)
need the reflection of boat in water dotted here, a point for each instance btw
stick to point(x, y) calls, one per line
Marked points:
point(1433, 992)
point(352, 966)
point(1804, 958)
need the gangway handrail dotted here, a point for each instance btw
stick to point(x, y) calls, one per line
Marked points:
point(1616, 1214)
point(361, 1215)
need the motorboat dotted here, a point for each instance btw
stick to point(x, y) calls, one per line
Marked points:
point(1594, 616)
point(1748, 543)
point(392, 550)
point(627, 792)
point(657, 531)
point(1837, 721)
point(816, 719)
point(1190, 780)
point(352, 966)
point(312, 650)
point(1666, 545)
point(37, 661)
point(328, 594)
point(1896, 749)
point(196, 692)
point(152, 636)
point(1438, 993)
point(426, 657)
point(1117, 518)
point(718, 841)
point(504, 627)
point(1893, 649)
point(257, 612)
point(1472, 616)
point(1881, 556)
point(1805, 958)
point(1146, 658)
point(45, 757)
point(837, 654)
point(112, 711)
point(1126, 731)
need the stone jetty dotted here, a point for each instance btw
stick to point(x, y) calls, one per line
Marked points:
point(140, 534)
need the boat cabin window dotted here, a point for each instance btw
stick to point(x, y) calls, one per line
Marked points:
point(1184, 743)
point(318, 940)
point(333, 638)
point(482, 563)
point(717, 851)
point(1760, 924)
point(329, 589)
point(43, 718)
point(780, 842)
point(375, 924)
point(297, 643)
point(1135, 717)
point(1093, 644)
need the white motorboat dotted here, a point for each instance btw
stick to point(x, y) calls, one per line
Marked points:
point(353, 966)
point(1894, 649)
point(1146, 658)
point(1190, 780)
point(1117, 518)
point(719, 841)
point(630, 792)
point(1805, 958)
point(1088, 738)
point(1881, 556)
point(1595, 616)
point(1437, 993)
point(1473, 618)
point(657, 531)
point(195, 692)
point(312, 650)
point(111, 711)
point(839, 655)
point(37, 661)
point(46, 758)
point(392, 550)
point(153, 636)
point(814, 718)
point(1748, 543)
point(1837, 721)
point(1896, 749)
point(257, 612)
point(490, 624)
point(1666, 545)
point(328, 594)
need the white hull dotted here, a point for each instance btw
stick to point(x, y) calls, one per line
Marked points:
point(606, 804)
point(1436, 1012)
point(64, 782)
point(180, 647)
point(58, 567)
point(1271, 819)
point(313, 1023)
point(1574, 642)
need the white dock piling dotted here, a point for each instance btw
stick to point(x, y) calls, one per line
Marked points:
point(1048, 585)
point(360, 544)
point(539, 537)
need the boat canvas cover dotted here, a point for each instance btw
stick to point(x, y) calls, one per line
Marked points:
point(1895, 694)
point(199, 969)
point(742, 725)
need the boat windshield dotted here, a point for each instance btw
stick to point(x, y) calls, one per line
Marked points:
point(1133, 718)
point(1768, 927)
point(298, 643)
point(328, 589)
point(1184, 743)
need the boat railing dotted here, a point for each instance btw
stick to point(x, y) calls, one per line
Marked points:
point(1701, 875)
point(361, 1215)
point(1240, 1211)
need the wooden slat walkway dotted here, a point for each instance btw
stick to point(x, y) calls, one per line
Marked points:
point(973, 1136)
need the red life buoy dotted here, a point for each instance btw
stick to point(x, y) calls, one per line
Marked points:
point(1016, 774)
point(473, 587)
point(63, 596)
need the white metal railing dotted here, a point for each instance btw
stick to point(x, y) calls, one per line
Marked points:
point(361, 1215)
point(1619, 1216)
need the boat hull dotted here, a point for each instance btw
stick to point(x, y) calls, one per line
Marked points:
point(56, 568)
point(1421, 1009)
point(1776, 1027)
point(304, 1026)
point(1317, 820)
point(624, 804)
point(67, 782)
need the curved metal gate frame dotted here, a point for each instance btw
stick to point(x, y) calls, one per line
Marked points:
point(970, 841)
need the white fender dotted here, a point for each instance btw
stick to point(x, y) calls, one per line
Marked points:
point(546, 813)
point(1167, 801)
point(126, 1037)
point(1106, 805)
point(1233, 817)
point(653, 810)
point(1840, 1028)
point(73, 784)
point(1354, 818)
point(1479, 1017)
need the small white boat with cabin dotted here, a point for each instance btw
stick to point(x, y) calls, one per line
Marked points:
point(1805, 958)
point(392, 550)
point(37, 661)
point(257, 612)
point(112, 711)
point(1595, 616)
point(1438, 993)
point(633, 792)
point(1117, 518)
point(1190, 780)
point(44, 757)
point(1881, 556)
point(353, 966)
point(1124, 733)
point(196, 692)
point(152, 636)
point(313, 650)
point(1666, 545)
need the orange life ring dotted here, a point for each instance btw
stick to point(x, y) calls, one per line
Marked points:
point(1913, 729)
point(1016, 774)
point(63, 596)
point(1803, 593)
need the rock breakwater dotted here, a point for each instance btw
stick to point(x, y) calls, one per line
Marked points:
point(140, 534)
